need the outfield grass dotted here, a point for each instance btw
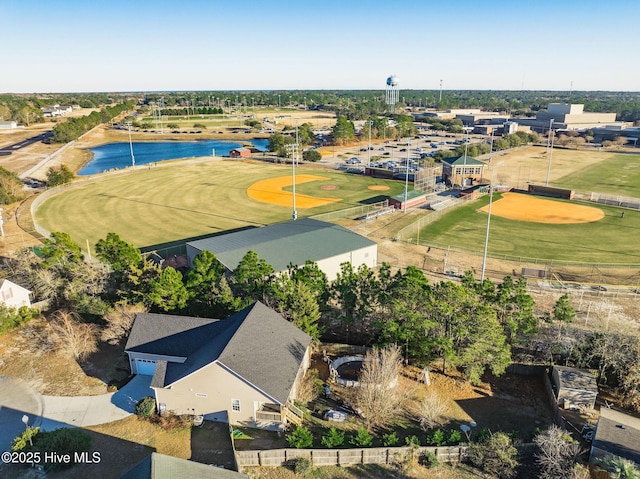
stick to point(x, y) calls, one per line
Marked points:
point(618, 175)
point(610, 240)
point(189, 199)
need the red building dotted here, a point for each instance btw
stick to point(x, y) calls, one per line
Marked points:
point(240, 153)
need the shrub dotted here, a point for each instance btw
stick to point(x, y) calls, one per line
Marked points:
point(429, 459)
point(412, 441)
point(389, 440)
point(170, 421)
point(312, 156)
point(436, 438)
point(362, 438)
point(333, 438)
point(455, 438)
point(302, 465)
point(146, 407)
point(62, 441)
point(59, 176)
point(495, 455)
point(20, 442)
point(300, 438)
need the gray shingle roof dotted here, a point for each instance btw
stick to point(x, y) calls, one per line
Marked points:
point(619, 434)
point(170, 335)
point(256, 343)
point(283, 243)
point(267, 351)
point(573, 378)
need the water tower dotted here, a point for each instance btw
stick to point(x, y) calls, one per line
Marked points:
point(392, 92)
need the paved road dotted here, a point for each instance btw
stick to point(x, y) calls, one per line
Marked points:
point(53, 412)
point(7, 150)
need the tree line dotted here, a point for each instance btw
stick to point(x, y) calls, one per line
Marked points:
point(73, 128)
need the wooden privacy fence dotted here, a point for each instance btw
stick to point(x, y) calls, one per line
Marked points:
point(347, 457)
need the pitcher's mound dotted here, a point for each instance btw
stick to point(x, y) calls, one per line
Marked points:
point(329, 187)
point(517, 206)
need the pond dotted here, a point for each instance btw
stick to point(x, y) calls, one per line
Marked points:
point(118, 155)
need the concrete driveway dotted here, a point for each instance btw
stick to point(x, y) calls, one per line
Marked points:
point(16, 400)
point(53, 412)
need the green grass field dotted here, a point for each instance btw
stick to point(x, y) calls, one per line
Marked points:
point(619, 175)
point(610, 240)
point(187, 200)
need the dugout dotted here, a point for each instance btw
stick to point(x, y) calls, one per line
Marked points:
point(552, 192)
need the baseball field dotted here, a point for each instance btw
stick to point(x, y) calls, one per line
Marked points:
point(526, 226)
point(153, 206)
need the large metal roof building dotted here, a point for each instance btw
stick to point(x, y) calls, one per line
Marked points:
point(292, 242)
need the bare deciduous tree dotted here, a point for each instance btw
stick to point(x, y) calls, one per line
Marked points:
point(308, 388)
point(557, 453)
point(431, 410)
point(378, 396)
point(119, 321)
point(72, 336)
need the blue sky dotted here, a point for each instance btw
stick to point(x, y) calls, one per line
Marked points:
point(140, 45)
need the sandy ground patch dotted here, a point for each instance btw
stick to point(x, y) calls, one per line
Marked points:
point(515, 206)
point(378, 187)
point(270, 191)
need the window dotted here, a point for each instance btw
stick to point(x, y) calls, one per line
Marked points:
point(235, 405)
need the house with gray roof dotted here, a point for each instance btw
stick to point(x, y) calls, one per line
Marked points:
point(617, 434)
point(245, 369)
point(292, 242)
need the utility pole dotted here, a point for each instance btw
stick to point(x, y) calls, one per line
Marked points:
point(133, 160)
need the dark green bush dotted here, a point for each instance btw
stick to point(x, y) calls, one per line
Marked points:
point(389, 440)
point(146, 407)
point(300, 438)
point(362, 438)
point(333, 438)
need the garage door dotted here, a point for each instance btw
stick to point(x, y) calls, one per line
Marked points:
point(145, 367)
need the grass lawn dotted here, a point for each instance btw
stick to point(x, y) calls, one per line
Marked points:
point(611, 240)
point(152, 206)
point(367, 471)
point(618, 175)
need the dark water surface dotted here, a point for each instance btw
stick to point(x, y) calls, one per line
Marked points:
point(118, 155)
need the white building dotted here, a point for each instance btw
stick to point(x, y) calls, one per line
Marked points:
point(293, 242)
point(13, 295)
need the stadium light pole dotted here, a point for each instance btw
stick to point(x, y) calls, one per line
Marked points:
point(369, 146)
point(551, 137)
point(133, 160)
point(486, 237)
point(406, 176)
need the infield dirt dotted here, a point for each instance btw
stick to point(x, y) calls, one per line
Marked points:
point(516, 206)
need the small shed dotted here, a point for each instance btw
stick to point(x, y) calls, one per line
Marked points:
point(414, 198)
point(240, 153)
point(574, 387)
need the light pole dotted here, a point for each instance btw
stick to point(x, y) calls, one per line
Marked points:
point(406, 177)
point(486, 237)
point(25, 420)
point(369, 146)
point(551, 137)
point(133, 160)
